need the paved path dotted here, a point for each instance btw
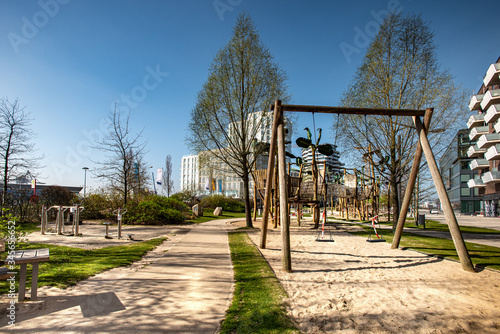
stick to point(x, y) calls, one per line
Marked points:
point(185, 290)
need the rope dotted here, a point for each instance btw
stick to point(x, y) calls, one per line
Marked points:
point(314, 127)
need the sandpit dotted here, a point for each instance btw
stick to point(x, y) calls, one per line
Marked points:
point(353, 286)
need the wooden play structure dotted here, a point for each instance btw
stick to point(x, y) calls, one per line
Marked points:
point(283, 189)
point(358, 194)
point(69, 214)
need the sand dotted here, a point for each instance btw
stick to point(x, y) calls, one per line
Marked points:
point(354, 286)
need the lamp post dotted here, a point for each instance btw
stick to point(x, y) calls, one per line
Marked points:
point(85, 182)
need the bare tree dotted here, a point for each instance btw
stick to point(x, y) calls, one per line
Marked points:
point(168, 182)
point(400, 71)
point(232, 105)
point(123, 150)
point(16, 147)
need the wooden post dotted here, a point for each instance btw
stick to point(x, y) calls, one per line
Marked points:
point(44, 220)
point(60, 220)
point(76, 219)
point(270, 172)
point(411, 184)
point(456, 235)
point(283, 198)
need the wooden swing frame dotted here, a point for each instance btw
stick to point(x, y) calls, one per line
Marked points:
point(423, 146)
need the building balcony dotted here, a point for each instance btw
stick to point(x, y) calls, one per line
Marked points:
point(477, 132)
point(492, 114)
point(492, 76)
point(491, 97)
point(493, 153)
point(475, 152)
point(479, 164)
point(491, 177)
point(475, 120)
point(475, 102)
point(476, 183)
point(488, 140)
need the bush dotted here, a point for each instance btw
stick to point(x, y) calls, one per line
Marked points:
point(96, 206)
point(155, 210)
point(56, 195)
point(227, 204)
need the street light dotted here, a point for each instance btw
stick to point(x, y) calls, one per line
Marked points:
point(85, 182)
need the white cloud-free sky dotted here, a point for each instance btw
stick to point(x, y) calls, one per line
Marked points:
point(70, 61)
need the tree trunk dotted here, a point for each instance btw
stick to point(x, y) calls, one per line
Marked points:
point(246, 185)
point(395, 201)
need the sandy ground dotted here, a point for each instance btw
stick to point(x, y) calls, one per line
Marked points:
point(353, 286)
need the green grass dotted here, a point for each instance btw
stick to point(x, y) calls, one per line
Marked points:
point(437, 226)
point(69, 265)
point(481, 255)
point(208, 216)
point(29, 227)
point(257, 305)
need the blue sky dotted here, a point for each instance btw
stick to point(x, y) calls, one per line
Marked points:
point(70, 61)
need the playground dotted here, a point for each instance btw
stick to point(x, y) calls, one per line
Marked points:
point(359, 287)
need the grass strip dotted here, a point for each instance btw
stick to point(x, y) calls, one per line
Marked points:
point(257, 305)
point(434, 225)
point(481, 255)
point(69, 265)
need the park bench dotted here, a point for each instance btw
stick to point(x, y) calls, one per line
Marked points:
point(33, 256)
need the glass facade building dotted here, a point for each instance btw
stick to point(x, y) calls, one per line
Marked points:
point(456, 173)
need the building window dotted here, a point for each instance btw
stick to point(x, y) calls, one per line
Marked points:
point(465, 177)
point(465, 192)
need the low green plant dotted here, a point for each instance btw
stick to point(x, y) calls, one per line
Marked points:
point(226, 203)
point(96, 206)
point(155, 210)
point(257, 305)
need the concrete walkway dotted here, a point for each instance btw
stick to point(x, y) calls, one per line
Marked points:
point(185, 290)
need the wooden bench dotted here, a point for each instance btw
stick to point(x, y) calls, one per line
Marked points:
point(33, 256)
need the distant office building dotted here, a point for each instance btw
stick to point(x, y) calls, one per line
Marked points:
point(485, 129)
point(455, 171)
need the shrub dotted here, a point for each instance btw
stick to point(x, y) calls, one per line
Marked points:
point(56, 195)
point(227, 204)
point(96, 206)
point(155, 210)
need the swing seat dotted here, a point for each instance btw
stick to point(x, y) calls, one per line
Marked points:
point(375, 240)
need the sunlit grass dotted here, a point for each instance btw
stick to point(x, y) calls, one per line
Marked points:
point(69, 265)
point(257, 305)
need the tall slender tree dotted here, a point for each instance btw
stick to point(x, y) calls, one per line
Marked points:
point(168, 182)
point(233, 103)
point(400, 71)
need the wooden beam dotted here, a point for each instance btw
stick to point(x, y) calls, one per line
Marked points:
point(456, 235)
point(356, 111)
point(270, 172)
point(283, 198)
point(411, 184)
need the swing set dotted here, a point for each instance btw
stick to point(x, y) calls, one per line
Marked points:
point(423, 147)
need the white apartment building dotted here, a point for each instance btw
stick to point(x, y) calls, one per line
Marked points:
point(190, 173)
